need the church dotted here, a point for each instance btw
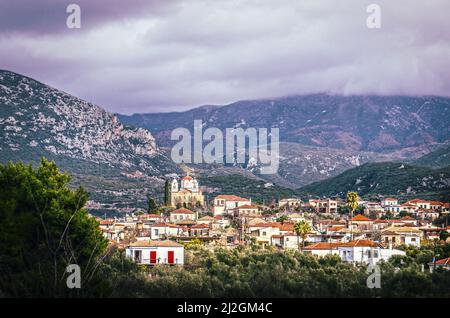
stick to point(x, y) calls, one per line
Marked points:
point(187, 193)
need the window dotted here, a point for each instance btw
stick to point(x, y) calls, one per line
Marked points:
point(137, 256)
point(264, 233)
point(156, 231)
point(375, 254)
point(413, 239)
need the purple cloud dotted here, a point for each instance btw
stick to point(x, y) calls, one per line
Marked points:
point(146, 56)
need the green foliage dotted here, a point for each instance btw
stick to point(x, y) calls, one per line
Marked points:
point(302, 228)
point(44, 228)
point(282, 218)
point(250, 272)
point(352, 201)
point(167, 193)
point(152, 206)
point(437, 159)
point(390, 178)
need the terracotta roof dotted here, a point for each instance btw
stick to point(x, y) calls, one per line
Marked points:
point(408, 218)
point(321, 246)
point(207, 218)
point(247, 206)
point(166, 243)
point(400, 229)
point(187, 178)
point(231, 197)
point(360, 243)
point(266, 224)
point(417, 201)
point(182, 211)
point(200, 226)
point(186, 222)
point(106, 222)
point(336, 228)
point(286, 227)
point(361, 217)
point(163, 225)
point(390, 199)
point(444, 261)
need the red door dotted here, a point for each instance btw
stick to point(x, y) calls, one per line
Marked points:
point(170, 257)
point(152, 257)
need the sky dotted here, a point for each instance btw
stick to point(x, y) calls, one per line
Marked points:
point(140, 56)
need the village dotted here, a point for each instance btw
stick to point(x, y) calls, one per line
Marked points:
point(316, 227)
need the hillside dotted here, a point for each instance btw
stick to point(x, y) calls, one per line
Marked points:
point(37, 120)
point(387, 178)
point(437, 159)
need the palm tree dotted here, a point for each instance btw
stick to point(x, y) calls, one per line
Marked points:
point(352, 204)
point(302, 228)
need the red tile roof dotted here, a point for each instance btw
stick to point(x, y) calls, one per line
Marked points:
point(321, 246)
point(182, 211)
point(360, 243)
point(166, 243)
point(444, 261)
point(247, 206)
point(200, 226)
point(417, 201)
point(231, 197)
point(361, 217)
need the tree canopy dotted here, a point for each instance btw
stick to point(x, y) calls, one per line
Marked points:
point(44, 227)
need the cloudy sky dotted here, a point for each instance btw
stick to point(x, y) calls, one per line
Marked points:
point(150, 56)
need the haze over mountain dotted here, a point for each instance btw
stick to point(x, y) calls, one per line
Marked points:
point(363, 123)
point(322, 135)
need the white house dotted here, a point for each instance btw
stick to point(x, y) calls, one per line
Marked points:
point(156, 252)
point(286, 241)
point(420, 203)
point(365, 251)
point(389, 202)
point(164, 230)
point(291, 203)
point(227, 203)
point(264, 232)
point(246, 211)
point(321, 249)
point(401, 235)
point(182, 214)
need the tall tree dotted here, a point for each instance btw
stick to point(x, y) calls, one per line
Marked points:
point(302, 228)
point(152, 207)
point(352, 204)
point(167, 194)
point(44, 228)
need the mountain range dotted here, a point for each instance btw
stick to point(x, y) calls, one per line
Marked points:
point(322, 135)
point(123, 159)
point(358, 123)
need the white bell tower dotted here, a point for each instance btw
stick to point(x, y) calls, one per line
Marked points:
point(174, 187)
